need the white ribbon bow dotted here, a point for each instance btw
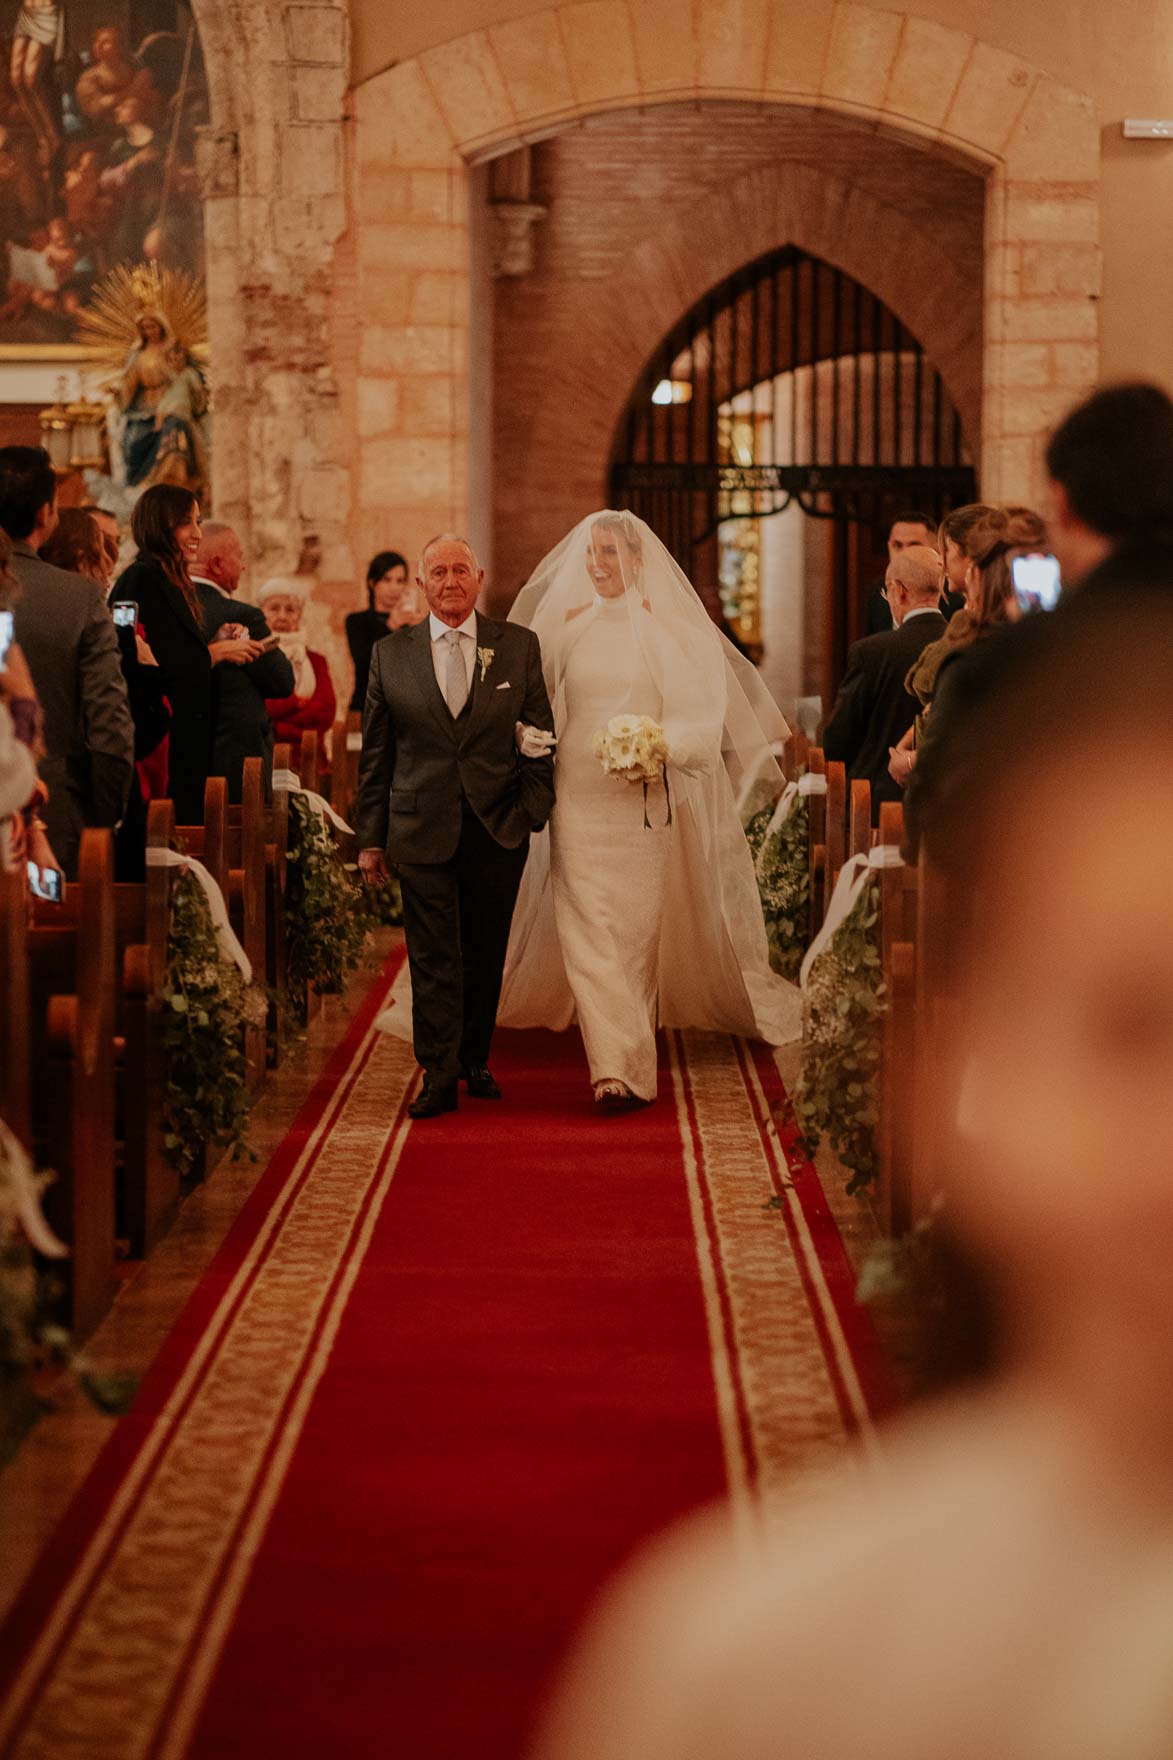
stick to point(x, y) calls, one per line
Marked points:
point(810, 782)
point(853, 877)
point(225, 934)
point(289, 782)
point(26, 1198)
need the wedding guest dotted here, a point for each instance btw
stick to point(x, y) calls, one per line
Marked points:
point(77, 545)
point(166, 527)
point(997, 1579)
point(1110, 490)
point(111, 531)
point(65, 634)
point(393, 602)
point(906, 530)
point(994, 543)
point(310, 707)
point(240, 722)
point(22, 830)
point(874, 708)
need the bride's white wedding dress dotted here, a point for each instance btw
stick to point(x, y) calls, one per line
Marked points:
point(622, 925)
point(607, 869)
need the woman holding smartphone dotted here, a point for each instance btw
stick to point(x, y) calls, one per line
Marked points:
point(166, 527)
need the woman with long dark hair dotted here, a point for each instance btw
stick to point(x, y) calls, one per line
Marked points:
point(166, 527)
point(393, 600)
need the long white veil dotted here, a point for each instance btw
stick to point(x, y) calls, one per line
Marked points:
point(721, 725)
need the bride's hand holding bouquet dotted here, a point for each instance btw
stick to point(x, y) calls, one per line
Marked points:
point(633, 748)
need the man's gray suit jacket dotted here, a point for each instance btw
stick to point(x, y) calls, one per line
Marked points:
point(66, 634)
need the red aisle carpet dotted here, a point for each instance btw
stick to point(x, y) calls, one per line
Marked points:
point(437, 1385)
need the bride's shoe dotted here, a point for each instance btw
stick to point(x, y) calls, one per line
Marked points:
point(615, 1096)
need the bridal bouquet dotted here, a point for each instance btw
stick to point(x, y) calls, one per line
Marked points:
point(633, 749)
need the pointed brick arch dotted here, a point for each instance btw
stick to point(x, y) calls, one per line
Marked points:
point(418, 126)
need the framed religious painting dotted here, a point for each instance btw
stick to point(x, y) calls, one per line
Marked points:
point(100, 101)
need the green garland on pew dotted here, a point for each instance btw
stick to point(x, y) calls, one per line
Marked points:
point(837, 1094)
point(326, 914)
point(384, 905)
point(206, 1001)
point(783, 875)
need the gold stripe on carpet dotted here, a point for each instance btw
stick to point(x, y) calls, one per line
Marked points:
point(765, 1342)
point(157, 1587)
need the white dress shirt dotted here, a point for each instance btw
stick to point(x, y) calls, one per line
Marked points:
point(467, 632)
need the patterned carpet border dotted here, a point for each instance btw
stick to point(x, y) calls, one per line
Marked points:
point(142, 1458)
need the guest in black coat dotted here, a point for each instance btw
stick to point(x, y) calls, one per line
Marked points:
point(393, 601)
point(64, 631)
point(241, 726)
point(907, 531)
point(874, 708)
point(166, 527)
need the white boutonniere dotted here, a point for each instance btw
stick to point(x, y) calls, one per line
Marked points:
point(485, 656)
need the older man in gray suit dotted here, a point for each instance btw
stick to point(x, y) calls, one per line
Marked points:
point(68, 640)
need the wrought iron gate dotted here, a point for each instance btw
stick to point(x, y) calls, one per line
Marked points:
point(789, 382)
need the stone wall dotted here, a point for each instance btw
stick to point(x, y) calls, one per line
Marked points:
point(947, 95)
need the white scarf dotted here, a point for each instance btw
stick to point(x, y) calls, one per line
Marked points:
point(292, 643)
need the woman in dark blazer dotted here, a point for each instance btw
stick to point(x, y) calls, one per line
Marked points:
point(166, 527)
point(388, 588)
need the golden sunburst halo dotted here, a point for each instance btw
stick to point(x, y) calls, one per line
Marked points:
point(109, 324)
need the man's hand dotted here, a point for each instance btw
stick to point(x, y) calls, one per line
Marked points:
point(533, 742)
point(372, 865)
point(901, 763)
point(235, 653)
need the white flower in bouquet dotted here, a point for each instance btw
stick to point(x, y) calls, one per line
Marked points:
point(632, 748)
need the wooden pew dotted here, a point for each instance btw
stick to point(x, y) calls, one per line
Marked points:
point(859, 838)
point(344, 764)
point(15, 1058)
point(817, 837)
point(836, 826)
point(72, 979)
point(276, 852)
point(898, 1087)
point(143, 927)
point(246, 888)
point(310, 762)
point(794, 755)
point(208, 842)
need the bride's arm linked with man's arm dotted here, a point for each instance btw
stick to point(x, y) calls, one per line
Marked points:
point(535, 767)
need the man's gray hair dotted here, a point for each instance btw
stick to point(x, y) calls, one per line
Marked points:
point(918, 570)
point(444, 538)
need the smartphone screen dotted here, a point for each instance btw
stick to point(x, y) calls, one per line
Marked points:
point(1037, 585)
point(46, 883)
point(126, 616)
point(5, 638)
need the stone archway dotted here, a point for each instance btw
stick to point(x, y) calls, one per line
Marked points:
point(421, 123)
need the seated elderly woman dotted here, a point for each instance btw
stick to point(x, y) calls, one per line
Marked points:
point(312, 706)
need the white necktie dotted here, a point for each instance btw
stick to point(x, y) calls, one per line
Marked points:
point(455, 675)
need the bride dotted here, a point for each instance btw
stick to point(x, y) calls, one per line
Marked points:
point(640, 906)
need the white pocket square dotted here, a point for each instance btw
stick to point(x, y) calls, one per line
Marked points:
point(505, 687)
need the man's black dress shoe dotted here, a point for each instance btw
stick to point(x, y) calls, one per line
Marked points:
point(481, 1085)
point(433, 1099)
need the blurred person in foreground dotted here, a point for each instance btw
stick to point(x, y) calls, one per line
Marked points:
point(310, 706)
point(394, 601)
point(65, 634)
point(997, 1579)
point(1109, 499)
point(874, 708)
point(240, 722)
